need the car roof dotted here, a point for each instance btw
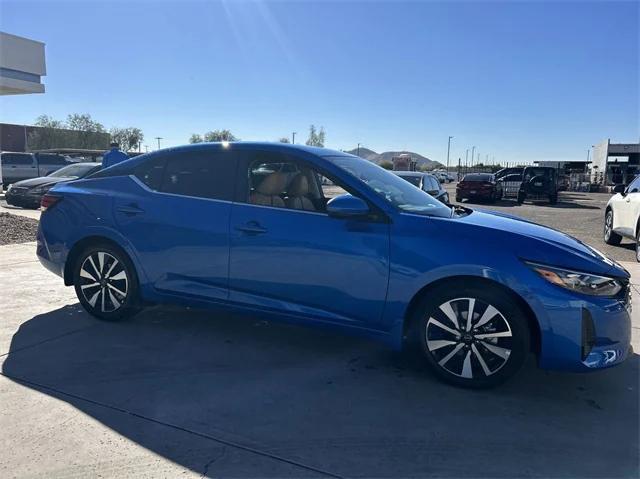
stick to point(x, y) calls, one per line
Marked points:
point(252, 145)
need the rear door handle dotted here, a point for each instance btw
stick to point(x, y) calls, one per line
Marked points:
point(130, 210)
point(251, 228)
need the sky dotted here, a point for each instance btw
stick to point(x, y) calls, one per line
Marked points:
point(521, 81)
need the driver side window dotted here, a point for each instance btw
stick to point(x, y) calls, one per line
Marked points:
point(281, 182)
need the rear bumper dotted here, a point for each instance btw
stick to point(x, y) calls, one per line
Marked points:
point(48, 258)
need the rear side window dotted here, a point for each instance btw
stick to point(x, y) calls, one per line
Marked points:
point(17, 159)
point(204, 174)
point(151, 172)
point(432, 183)
point(52, 159)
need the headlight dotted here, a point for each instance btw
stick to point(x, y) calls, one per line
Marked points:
point(9, 188)
point(40, 190)
point(584, 283)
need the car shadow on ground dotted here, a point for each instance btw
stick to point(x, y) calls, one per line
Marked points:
point(332, 402)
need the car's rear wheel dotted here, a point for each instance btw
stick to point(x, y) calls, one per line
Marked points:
point(106, 283)
point(553, 199)
point(473, 337)
point(521, 198)
point(610, 236)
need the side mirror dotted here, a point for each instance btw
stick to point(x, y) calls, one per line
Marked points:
point(619, 189)
point(347, 206)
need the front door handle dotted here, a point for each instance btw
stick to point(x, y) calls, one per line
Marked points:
point(130, 210)
point(251, 228)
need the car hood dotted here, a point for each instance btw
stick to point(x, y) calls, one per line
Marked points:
point(534, 242)
point(41, 181)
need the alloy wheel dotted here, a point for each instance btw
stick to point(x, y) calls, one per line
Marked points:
point(608, 225)
point(104, 282)
point(469, 338)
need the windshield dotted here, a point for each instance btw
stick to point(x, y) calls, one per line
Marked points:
point(391, 187)
point(478, 177)
point(74, 171)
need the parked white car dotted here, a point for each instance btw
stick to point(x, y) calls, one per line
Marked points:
point(622, 215)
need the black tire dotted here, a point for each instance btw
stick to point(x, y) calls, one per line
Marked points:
point(521, 198)
point(482, 357)
point(106, 283)
point(492, 198)
point(610, 237)
point(553, 199)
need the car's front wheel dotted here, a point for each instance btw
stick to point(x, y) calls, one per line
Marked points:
point(472, 336)
point(610, 236)
point(106, 283)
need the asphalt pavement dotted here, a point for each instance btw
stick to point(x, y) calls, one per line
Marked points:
point(177, 392)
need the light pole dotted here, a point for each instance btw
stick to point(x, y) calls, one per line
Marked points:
point(158, 138)
point(472, 153)
point(293, 138)
point(448, 149)
point(466, 160)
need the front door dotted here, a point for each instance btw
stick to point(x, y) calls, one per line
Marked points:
point(288, 255)
point(628, 210)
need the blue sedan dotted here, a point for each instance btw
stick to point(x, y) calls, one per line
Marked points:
point(326, 238)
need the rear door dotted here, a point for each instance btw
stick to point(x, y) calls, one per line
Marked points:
point(48, 163)
point(178, 220)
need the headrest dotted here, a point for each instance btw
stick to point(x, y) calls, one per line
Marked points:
point(299, 186)
point(273, 184)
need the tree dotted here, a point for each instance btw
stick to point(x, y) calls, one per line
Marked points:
point(78, 131)
point(128, 138)
point(195, 138)
point(284, 139)
point(316, 138)
point(387, 165)
point(83, 123)
point(219, 135)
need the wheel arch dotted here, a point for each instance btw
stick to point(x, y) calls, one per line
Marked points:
point(532, 322)
point(81, 245)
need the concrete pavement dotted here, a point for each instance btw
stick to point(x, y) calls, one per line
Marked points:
point(178, 392)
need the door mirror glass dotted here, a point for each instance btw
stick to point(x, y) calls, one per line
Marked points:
point(347, 206)
point(619, 189)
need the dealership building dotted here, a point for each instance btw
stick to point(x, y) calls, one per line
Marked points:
point(22, 65)
point(615, 163)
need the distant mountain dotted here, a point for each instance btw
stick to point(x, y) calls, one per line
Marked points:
point(377, 158)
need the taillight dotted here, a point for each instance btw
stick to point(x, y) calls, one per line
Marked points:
point(48, 201)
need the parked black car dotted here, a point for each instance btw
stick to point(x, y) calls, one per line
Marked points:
point(426, 182)
point(539, 183)
point(18, 166)
point(28, 193)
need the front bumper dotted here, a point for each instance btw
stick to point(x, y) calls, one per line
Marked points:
point(585, 333)
point(24, 199)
